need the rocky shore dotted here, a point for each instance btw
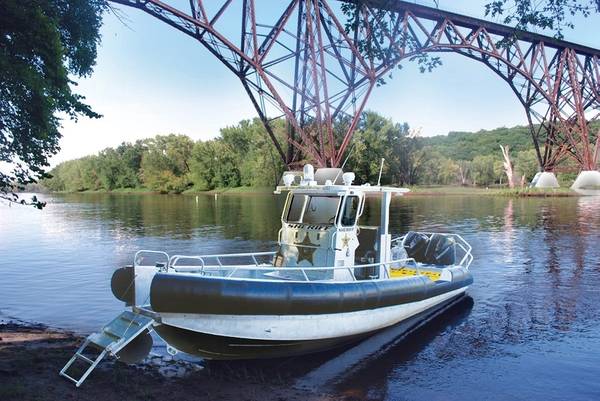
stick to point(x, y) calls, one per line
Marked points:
point(31, 355)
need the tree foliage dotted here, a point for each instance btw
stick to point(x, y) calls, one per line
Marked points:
point(376, 45)
point(42, 42)
point(553, 15)
point(243, 156)
point(379, 138)
point(467, 145)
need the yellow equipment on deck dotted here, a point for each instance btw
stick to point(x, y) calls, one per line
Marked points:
point(406, 272)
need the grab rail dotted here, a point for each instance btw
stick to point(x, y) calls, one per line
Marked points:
point(253, 258)
point(251, 255)
point(232, 269)
point(139, 255)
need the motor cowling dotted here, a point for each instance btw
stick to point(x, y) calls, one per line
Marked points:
point(415, 245)
point(441, 250)
point(437, 249)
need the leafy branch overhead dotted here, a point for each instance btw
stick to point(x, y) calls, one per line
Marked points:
point(43, 43)
point(553, 15)
point(377, 44)
point(383, 43)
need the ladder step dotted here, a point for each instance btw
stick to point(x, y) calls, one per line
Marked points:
point(101, 340)
point(69, 377)
point(120, 329)
point(85, 358)
point(112, 338)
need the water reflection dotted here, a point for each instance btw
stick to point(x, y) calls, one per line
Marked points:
point(533, 327)
point(371, 379)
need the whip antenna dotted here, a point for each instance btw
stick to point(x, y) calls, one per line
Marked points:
point(380, 171)
point(343, 164)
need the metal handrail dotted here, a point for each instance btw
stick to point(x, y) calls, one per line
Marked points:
point(175, 258)
point(142, 251)
point(301, 269)
point(256, 266)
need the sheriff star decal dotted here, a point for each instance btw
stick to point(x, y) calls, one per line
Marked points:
point(345, 241)
point(306, 250)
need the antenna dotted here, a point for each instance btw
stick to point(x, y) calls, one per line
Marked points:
point(343, 164)
point(380, 171)
point(350, 153)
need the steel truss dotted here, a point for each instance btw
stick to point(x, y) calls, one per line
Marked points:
point(310, 69)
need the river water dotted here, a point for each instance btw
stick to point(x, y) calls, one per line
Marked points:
point(530, 329)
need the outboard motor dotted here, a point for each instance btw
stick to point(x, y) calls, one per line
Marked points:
point(441, 250)
point(415, 245)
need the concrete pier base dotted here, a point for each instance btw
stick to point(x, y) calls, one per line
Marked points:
point(545, 179)
point(587, 183)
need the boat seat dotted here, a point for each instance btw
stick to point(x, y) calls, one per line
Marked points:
point(366, 253)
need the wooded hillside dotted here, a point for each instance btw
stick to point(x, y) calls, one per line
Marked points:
point(243, 156)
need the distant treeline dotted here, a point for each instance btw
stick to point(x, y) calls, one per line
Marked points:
point(243, 156)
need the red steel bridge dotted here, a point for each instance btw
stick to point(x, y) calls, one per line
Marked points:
point(316, 63)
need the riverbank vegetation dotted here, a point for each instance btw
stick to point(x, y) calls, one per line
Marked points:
point(243, 156)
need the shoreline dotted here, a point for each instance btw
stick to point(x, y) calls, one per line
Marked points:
point(31, 355)
point(414, 191)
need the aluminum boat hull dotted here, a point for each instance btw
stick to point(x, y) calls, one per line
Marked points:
point(204, 323)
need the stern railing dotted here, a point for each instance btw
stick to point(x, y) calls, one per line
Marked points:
point(463, 246)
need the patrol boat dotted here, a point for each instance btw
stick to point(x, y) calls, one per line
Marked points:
point(330, 281)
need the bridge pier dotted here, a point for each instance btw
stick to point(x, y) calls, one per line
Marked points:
point(587, 182)
point(546, 179)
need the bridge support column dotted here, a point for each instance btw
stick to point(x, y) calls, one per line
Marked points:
point(587, 183)
point(546, 179)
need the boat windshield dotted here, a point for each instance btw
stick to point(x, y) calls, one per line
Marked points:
point(313, 209)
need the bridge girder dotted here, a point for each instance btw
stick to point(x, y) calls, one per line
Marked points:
point(296, 59)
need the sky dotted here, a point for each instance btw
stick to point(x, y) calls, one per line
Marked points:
point(151, 79)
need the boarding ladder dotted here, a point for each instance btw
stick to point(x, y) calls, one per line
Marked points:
point(111, 339)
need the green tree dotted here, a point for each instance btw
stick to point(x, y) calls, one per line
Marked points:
point(255, 157)
point(482, 170)
point(164, 165)
point(449, 173)
point(131, 157)
point(555, 15)
point(432, 167)
point(378, 137)
point(110, 169)
point(203, 165)
point(42, 44)
point(526, 164)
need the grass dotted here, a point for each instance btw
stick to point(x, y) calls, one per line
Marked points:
point(434, 190)
point(121, 191)
point(236, 190)
point(132, 191)
point(450, 190)
point(114, 191)
point(538, 192)
point(497, 191)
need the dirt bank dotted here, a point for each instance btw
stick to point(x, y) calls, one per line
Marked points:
point(32, 355)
